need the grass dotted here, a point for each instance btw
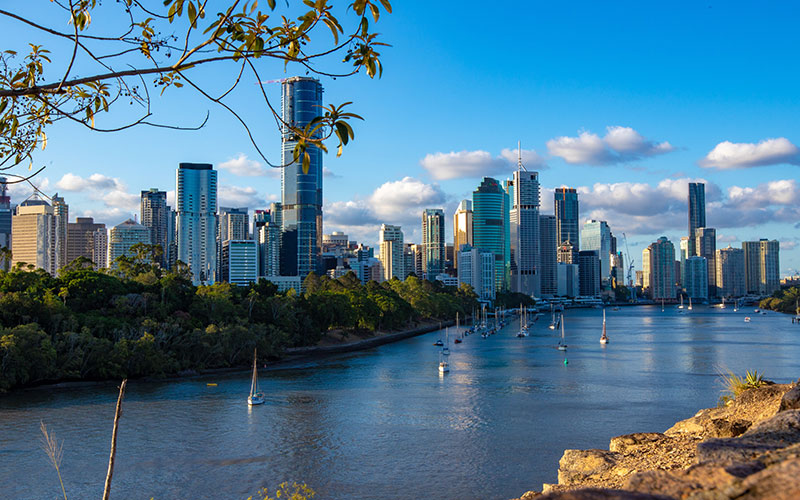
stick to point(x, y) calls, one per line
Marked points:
point(734, 385)
point(54, 450)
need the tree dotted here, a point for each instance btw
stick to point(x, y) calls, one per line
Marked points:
point(114, 50)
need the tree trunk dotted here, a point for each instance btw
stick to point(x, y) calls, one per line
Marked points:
point(107, 489)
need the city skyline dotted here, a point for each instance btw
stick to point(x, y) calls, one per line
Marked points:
point(628, 137)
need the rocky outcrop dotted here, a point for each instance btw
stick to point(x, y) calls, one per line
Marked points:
point(747, 449)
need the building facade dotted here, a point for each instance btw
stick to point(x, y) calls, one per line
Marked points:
point(196, 220)
point(568, 276)
point(83, 241)
point(762, 266)
point(658, 262)
point(706, 246)
point(433, 244)
point(567, 217)
point(61, 214)
point(33, 227)
point(392, 252)
point(730, 272)
point(548, 255)
point(477, 271)
point(462, 228)
point(695, 270)
point(523, 193)
point(596, 235)
point(125, 235)
point(239, 264)
point(589, 273)
point(155, 215)
point(490, 227)
point(5, 222)
point(697, 212)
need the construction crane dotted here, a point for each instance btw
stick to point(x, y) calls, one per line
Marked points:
point(630, 266)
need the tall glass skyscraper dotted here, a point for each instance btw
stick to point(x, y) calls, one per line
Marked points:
point(155, 216)
point(433, 251)
point(697, 212)
point(548, 255)
point(523, 191)
point(490, 227)
point(462, 228)
point(596, 235)
point(5, 221)
point(196, 220)
point(567, 216)
point(301, 242)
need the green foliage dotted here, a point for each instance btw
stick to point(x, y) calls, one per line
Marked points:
point(785, 301)
point(285, 491)
point(734, 384)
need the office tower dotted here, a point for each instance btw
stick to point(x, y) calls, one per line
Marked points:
point(267, 234)
point(33, 227)
point(697, 213)
point(196, 221)
point(477, 271)
point(155, 215)
point(83, 241)
point(392, 252)
point(762, 264)
point(640, 276)
point(596, 235)
point(239, 262)
point(5, 222)
point(684, 251)
point(171, 251)
point(706, 246)
point(523, 193)
point(408, 259)
point(567, 254)
point(695, 269)
point(419, 269)
point(233, 224)
point(462, 227)
point(490, 227)
point(568, 276)
point(589, 273)
point(548, 255)
point(433, 245)
point(449, 258)
point(730, 272)
point(658, 263)
point(336, 243)
point(123, 236)
point(301, 192)
point(567, 216)
point(752, 264)
point(61, 214)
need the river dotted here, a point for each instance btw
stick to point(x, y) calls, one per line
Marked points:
point(383, 423)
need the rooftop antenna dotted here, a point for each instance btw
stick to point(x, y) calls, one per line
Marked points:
point(520, 166)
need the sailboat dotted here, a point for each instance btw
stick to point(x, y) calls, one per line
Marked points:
point(681, 306)
point(662, 305)
point(446, 348)
point(553, 320)
point(562, 346)
point(444, 366)
point(722, 306)
point(256, 397)
point(604, 337)
point(523, 322)
point(458, 332)
point(735, 305)
point(690, 304)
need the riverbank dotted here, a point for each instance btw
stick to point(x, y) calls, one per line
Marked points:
point(747, 449)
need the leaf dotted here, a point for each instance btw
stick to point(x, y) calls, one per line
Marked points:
point(386, 5)
point(306, 162)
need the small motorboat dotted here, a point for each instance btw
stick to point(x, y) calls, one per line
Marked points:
point(747, 319)
point(439, 342)
point(457, 341)
point(444, 367)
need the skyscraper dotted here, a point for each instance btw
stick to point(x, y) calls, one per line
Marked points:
point(239, 262)
point(301, 102)
point(61, 215)
point(706, 246)
point(83, 241)
point(233, 224)
point(697, 212)
point(567, 216)
point(695, 270)
point(659, 269)
point(730, 272)
point(197, 220)
point(433, 251)
point(589, 273)
point(462, 227)
point(155, 216)
point(523, 191)
point(477, 271)
point(490, 227)
point(596, 235)
point(267, 233)
point(125, 235)
point(392, 254)
point(33, 227)
point(762, 265)
point(5, 221)
point(548, 256)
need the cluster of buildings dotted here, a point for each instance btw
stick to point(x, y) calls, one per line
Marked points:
point(501, 240)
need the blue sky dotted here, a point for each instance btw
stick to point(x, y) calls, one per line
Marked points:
point(623, 100)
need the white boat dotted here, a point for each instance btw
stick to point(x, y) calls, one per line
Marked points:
point(662, 305)
point(735, 305)
point(523, 322)
point(256, 397)
point(444, 366)
point(747, 319)
point(446, 348)
point(604, 337)
point(681, 306)
point(562, 346)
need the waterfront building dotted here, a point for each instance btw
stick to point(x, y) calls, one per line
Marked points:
point(123, 236)
point(155, 215)
point(433, 244)
point(706, 246)
point(196, 228)
point(87, 239)
point(596, 235)
point(684, 253)
point(752, 266)
point(33, 227)
point(568, 276)
point(61, 219)
point(696, 277)
point(301, 191)
point(239, 262)
point(658, 263)
point(490, 227)
point(5, 222)
point(640, 278)
point(589, 273)
point(567, 217)
point(462, 228)
point(762, 265)
point(392, 255)
point(730, 272)
point(477, 270)
point(697, 213)
point(548, 255)
point(523, 193)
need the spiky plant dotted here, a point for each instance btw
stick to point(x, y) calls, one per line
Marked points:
point(54, 450)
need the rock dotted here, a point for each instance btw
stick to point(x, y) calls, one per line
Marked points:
point(690, 482)
point(791, 400)
point(529, 495)
point(601, 494)
point(775, 433)
point(577, 466)
point(628, 442)
point(778, 482)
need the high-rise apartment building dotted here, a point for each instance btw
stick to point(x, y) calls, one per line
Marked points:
point(196, 228)
point(596, 235)
point(61, 215)
point(568, 280)
point(762, 266)
point(433, 244)
point(239, 262)
point(697, 212)
point(234, 224)
point(695, 270)
point(523, 193)
point(658, 263)
point(477, 271)
point(83, 241)
point(462, 228)
point(5, 222)
point(123, 236)
point(706, 246)
point(548, 255)
point(392, 252)
point(684, 254)
point(730, 272)
point(155, 216)
point(33, 226)
point(267, 234)
point(301, 191)
point(490, 227)
point(589, 273)
point(567, 217)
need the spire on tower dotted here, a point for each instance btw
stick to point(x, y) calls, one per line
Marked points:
point(520, 166)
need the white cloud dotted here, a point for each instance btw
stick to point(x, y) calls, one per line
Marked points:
point(732, 155)
point(620, 145)
point(328, 173)
point(727, 238)
point(781, 192)
point(236, 196)
point(398, 200)
point(243, 166)
point(76, 183)
point(466, 164)
point(788, 245)
point(99, 187)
